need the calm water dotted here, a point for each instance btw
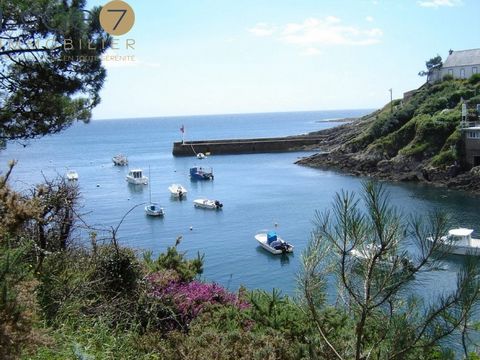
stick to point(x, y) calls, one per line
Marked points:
point(257, 190)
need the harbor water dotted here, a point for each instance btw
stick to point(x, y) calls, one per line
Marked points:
point(259, 191)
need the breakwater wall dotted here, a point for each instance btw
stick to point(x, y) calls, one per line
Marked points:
point(247, 146)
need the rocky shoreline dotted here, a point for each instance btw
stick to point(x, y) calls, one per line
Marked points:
point(336, 152)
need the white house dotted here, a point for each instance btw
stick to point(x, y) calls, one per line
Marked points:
point(459, 64)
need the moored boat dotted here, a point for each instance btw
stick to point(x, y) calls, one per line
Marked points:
point(271, 242)
point(200, 173)
point(120, 160)
point(72, 175)
point(177, 191)
point(208, 204)
point(201, 156)
point(153, 209)
point(369, 251)
point(459, 242)
point(136, 177)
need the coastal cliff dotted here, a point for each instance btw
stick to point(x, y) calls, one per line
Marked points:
point(415, 139)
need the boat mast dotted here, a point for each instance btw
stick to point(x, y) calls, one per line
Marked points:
point(150, 184)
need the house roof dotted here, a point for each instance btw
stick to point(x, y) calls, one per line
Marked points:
point(463, 58)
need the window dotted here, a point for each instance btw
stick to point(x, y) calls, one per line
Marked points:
point(462, 73)
point(474, 70)
point(473, 135)
point(450, 72)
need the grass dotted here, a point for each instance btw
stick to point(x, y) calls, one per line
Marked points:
point(425, 127)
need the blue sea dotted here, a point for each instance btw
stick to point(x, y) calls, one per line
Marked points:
point(258, 190)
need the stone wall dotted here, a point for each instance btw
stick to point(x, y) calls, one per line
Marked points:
point(246, 146)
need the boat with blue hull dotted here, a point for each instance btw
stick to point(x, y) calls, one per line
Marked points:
point(201, 173)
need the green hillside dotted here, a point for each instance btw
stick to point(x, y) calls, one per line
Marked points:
point(425, 127)
point(418, 138)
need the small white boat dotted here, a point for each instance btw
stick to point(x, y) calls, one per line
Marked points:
point(201, 156)
point(136, 177)
point(460, 242)
point(153, 209)
point(72, 175)
point(207, 204)
point(273, 243)
point(120, 160)
point(385, 262)
point(177, 191)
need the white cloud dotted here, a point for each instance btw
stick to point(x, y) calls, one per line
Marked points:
point(369, 18)
point(311, 51)
point(439, 3)
point(262, 29)
point(328, 31)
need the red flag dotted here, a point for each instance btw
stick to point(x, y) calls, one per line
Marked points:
point(182, 129)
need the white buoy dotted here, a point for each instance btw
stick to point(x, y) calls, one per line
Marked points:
point(98, 185)
point(191, 228)
point(276, 224)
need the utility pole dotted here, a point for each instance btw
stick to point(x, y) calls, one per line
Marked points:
point(391, 101)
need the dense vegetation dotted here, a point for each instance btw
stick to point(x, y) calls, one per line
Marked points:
point(424, 128)
point(417, 138)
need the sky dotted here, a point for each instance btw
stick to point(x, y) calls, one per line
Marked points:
point(196, 57)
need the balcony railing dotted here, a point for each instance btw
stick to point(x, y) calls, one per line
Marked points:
point(469, 124)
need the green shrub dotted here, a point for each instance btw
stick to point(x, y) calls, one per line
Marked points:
point(474, 79)
point(64, 284)
point(116, 270)
point(447, 77)
point(14, 322)
point(391, 144)
point(177, 261)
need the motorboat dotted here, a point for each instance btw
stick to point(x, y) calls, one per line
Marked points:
point(459, 242)
point(200, 173)
point(271, 242)
point(72, 175)
point(368, 251)
point(177, 191)
point(201, 156)
point(136, 177)
point(120, 160)
point(208, 204)
point(152, 209)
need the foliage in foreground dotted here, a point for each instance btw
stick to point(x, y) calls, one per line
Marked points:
point(363, 245)
point(104, 301)
point(46, 85)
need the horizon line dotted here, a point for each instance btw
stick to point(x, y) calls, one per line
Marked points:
point(230, 114)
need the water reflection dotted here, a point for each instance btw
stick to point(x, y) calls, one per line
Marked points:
point(135, 189)
point(283, 259)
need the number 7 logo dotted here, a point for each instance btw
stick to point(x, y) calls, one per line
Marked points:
point(123, 11)
point(117, 17)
